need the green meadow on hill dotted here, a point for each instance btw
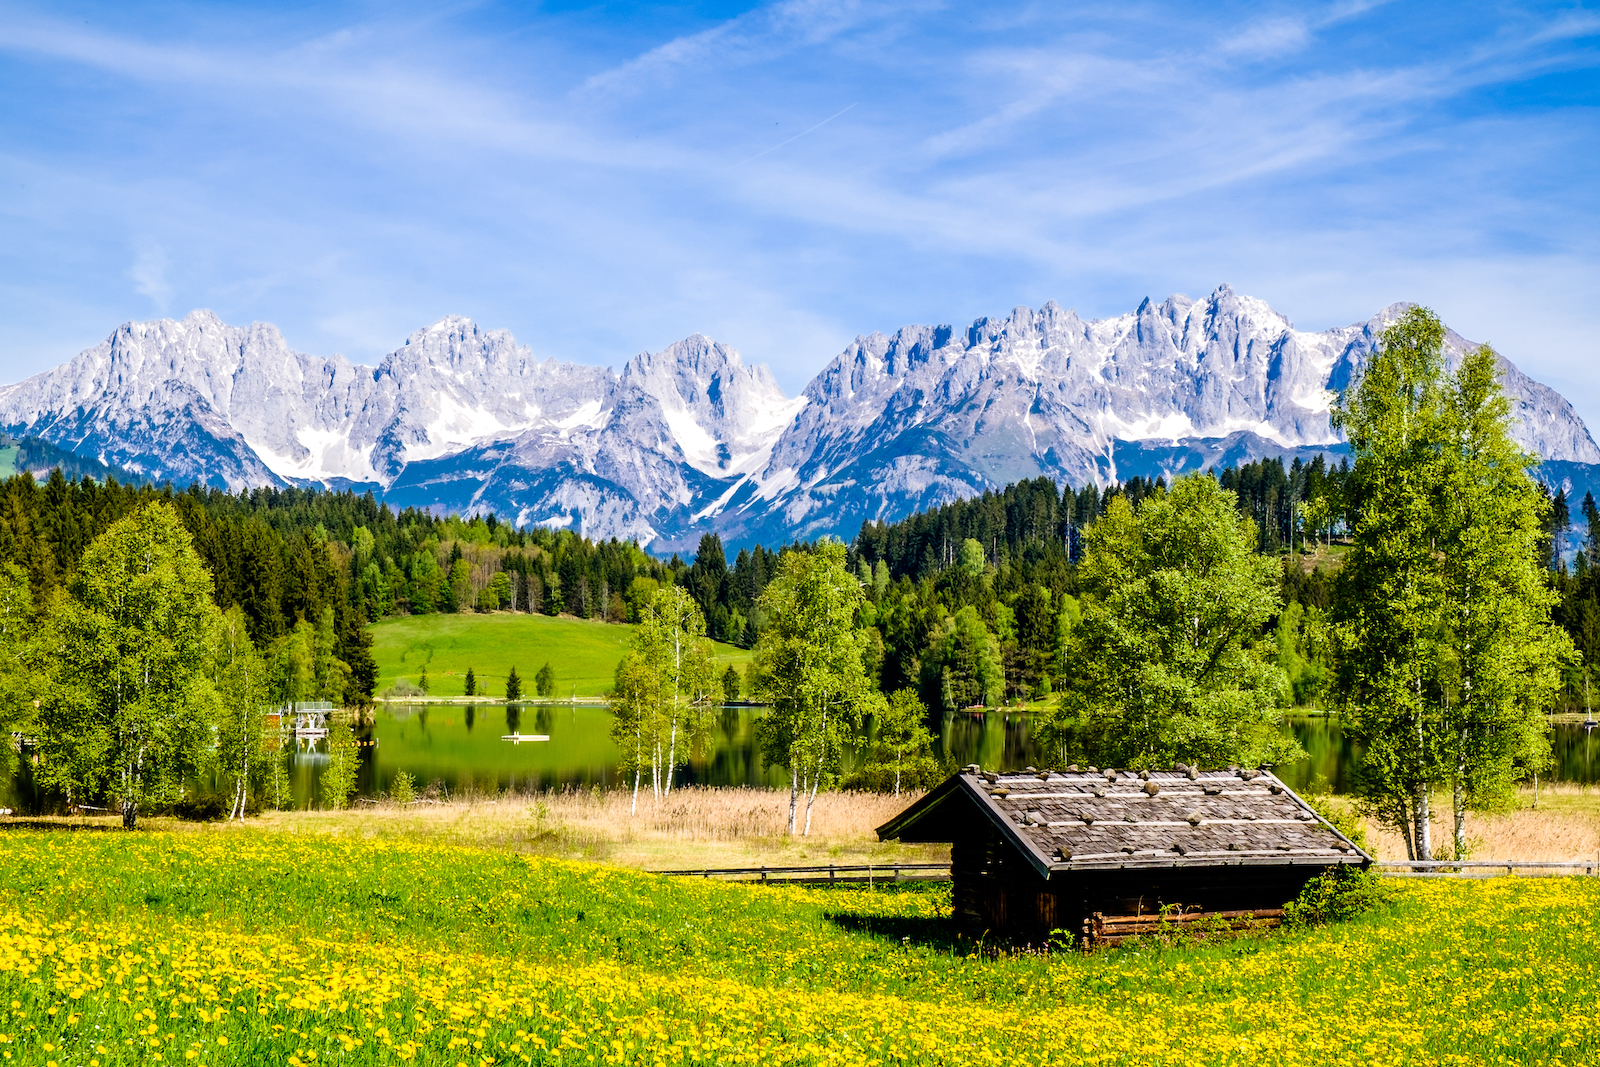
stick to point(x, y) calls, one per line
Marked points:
point(583, 653)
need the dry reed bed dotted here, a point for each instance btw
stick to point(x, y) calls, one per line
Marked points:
point(693, 827)
point(1565, 826)
point(699, 827)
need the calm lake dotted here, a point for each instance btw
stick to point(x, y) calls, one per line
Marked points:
point(459, 748)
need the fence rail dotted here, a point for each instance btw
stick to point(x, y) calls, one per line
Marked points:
point(1484, 868)
point(834, 874)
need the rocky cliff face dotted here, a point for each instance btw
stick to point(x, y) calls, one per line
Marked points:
point(690, 439)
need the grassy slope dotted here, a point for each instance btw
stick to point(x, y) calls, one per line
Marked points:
point(423, 950)
point(583, 654)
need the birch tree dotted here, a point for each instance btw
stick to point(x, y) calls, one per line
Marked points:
point(810, 670)
point(126, 715)
point(901, 734)
point(1389, 611)
point(666, 691)
point(1506, 653)
point(244, 749)
point(18, 684)
point(1445, 652)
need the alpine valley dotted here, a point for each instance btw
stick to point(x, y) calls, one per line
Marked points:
point(690, 439)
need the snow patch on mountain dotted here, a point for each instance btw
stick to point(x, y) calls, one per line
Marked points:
point(690, 438)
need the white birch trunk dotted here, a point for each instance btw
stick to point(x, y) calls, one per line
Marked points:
point(794, 797)
point(812, 798)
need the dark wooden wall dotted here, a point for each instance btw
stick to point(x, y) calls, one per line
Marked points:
point(999, 895)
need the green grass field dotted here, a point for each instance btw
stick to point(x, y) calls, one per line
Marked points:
point(583, 654)
point(228, 946)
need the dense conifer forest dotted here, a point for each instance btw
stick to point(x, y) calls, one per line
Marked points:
point(966, 601)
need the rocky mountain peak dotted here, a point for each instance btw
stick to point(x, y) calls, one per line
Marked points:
point(692, 438)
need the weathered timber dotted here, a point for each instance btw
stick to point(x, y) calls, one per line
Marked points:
point(1036, 854)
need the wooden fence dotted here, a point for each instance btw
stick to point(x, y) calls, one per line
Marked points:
point(1484, 868)
point(834, 874)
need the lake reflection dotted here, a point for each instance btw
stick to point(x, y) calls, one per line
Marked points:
point(458, 748)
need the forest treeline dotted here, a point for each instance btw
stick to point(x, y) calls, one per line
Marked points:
point(966, 601)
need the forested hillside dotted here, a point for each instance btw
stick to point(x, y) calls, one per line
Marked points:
point(966, 601)
point(310, 569)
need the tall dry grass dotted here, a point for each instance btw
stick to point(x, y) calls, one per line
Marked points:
point(694, 827)
point(701, 827)
point(1565, 826)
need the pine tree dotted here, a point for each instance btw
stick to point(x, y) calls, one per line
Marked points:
point(471, 683)
point(513, 686)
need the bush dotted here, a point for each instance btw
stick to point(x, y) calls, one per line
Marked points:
point(404, 788)
point(1336, 894)
point(204, 807)
point(401, 689)
point(918, 772)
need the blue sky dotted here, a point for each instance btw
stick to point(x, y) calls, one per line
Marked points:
point(603, 179)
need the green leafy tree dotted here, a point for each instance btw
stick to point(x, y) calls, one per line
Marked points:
point(664, 693)
point(811, 670)
point(962, 666)
point(244, 750)
point(1163, 662)
point(544, 681)
point(129, 708)
point(18, 677)
point(1508, 655)
point(1445, 653)
point(730, 685)
point(513, 686)
point(900, 735)
point(1389, 607)
point(1300, 638)
point(340, 774)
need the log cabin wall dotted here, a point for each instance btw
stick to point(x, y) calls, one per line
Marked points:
point(1037, 852)
point(997, 891)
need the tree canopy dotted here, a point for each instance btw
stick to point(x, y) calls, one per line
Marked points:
point(127, 708)
point(1166, 662)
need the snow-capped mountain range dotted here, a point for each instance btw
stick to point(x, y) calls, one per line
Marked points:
point(691, 439)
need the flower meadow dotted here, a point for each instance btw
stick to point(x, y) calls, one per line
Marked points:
point(237, 947)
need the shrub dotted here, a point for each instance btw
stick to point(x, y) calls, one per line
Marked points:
point(204, 807)
point(918, 772)
point(1334, 895)
point(404, 788)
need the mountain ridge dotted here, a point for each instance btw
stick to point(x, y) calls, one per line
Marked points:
point(692, 439)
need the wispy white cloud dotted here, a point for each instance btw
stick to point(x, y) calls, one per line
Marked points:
point(601, 187)
point(1273, 36)
point(149, 276)
point(758, 36)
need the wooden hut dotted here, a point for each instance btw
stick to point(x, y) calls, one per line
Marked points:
point(1106, 852)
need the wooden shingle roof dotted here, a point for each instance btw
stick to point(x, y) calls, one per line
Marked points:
point(1094, 820)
